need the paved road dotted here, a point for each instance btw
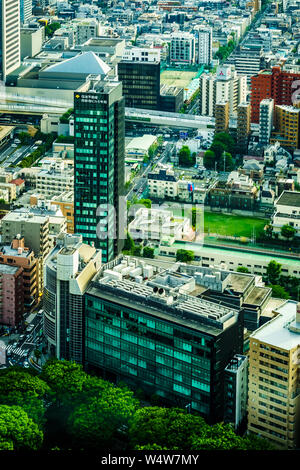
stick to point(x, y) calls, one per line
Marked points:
point(140, 182)
point(17, 155)
point(16, 351)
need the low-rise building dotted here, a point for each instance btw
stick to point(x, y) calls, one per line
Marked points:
point(11, 295)
point(16, 254)
point(287, 212)
point(162, 182)
point(159, 225)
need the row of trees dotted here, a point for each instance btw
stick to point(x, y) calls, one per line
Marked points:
point(283, 287)
point(47, 140)
point(64, 408)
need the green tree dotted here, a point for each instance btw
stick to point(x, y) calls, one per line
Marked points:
point(21, 388)
point(146, 202)
point(129, 243)
point(148, 252)
point(184, 255)
point(169, 428)
point(242, 269)
point(279, 292)
point(37, 354)
point(51, 28)
point(185, 158)
point(137, 250)
point(17, 430)
point(92, 424)
point(227, 140)
point(273, 271)
point(64, 378)
point(209, 159)
point(218, 148)
point(218, 437)
point(288, 232)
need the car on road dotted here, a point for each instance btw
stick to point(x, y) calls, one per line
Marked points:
point(14, 146)
point(26, 364)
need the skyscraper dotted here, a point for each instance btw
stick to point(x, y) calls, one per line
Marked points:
point(10, 55)
point(99, 124)
point(25, 10)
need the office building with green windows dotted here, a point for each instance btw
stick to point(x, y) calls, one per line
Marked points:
point(99, 131)
point(146, 326)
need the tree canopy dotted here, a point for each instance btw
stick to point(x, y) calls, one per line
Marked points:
point(184, 255)
point(17, 430)
point(273, 272)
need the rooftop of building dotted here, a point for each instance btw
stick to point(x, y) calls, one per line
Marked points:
point(5, 131)
point(25, 215)
point(289, 198)
point(236, 362)
point(5, 269)
point(276, 332)
point(85, 63)
point(239, 282)
point(258, 295)
point(162, 293)
point(7, 250)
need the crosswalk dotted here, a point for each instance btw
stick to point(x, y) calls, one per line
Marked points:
point(17, 351)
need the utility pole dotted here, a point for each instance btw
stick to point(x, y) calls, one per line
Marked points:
point(224, 156)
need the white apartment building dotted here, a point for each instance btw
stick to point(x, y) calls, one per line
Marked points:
point(266, 113)
point(162, 183)
point(225, 85)
point(159, 226)
point(10, 54)
point(204, 51)
point(55, 180)
point(141, 54)
point(287, 211)
point(86, 29)
point(182, 49)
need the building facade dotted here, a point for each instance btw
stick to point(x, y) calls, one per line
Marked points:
point(68, 269)
point(156, 336)
point(275, 83)
point(204, 36)
point(266, 117)
point(182, 48)
point(225, 85)
point(274, 392)
point(141, 83)
point(10, 51)
point(243, 126)
point(236, 391)
point(18, 255)
point(25, 10)
point(12, 297)
point(99, 128)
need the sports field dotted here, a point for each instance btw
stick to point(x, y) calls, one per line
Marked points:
point(232, 225)
point(176, 78)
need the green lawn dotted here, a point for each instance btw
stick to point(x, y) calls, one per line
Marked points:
point(232, 225)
